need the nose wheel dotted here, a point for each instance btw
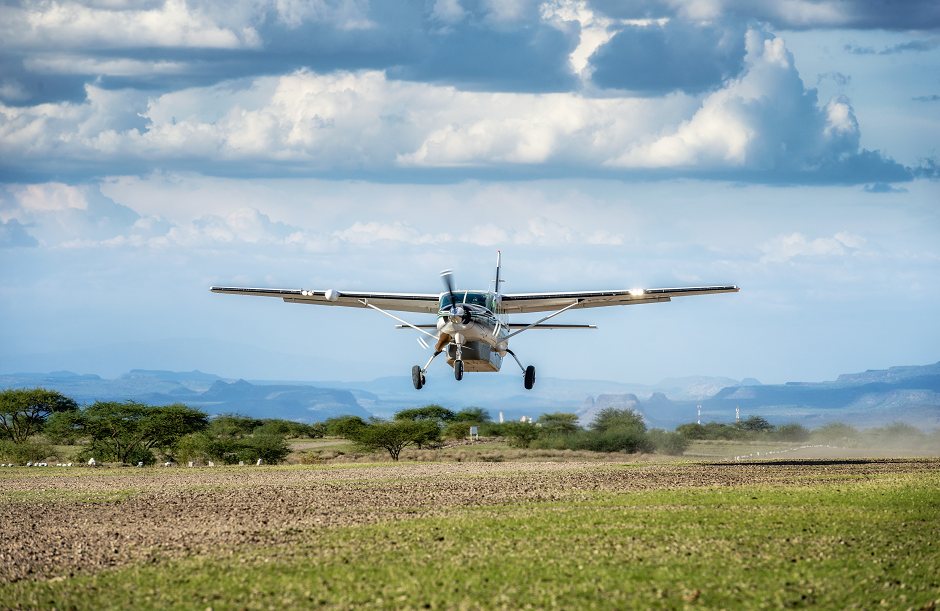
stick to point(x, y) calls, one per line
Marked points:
point(458, 370)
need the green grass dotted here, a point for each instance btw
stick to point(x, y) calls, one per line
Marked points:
point(833, 545)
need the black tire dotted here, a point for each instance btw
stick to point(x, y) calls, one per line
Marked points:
point(417, 378)
point(529, 377)
point(458, 370)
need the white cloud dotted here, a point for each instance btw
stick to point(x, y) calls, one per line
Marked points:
point(448, 11)
point(596, 30)
point(344, 14)
point(762, 120)
point(367, 233)
point(67, 24)
point(796, 244)
point(343, 120)
point(61, 63)
point(50, 197)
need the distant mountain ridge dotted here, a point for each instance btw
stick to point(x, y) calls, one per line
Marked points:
point(871, 398)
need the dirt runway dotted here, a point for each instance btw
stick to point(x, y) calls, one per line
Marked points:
point(61, 521)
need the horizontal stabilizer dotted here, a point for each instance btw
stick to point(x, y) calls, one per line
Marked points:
point(514, 326)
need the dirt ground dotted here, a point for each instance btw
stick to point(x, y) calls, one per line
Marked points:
point(60, 522)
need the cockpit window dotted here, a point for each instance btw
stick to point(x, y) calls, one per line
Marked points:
point(469, 297)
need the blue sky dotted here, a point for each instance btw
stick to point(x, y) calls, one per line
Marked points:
point(150, 149)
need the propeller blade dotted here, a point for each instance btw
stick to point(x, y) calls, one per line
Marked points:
point(423, 343)
point(447, 275)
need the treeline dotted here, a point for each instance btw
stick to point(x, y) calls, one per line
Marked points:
point(896, 435)
point(612, 430)
point(132, 432)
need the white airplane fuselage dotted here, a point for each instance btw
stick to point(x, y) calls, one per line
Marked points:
point(475, 333)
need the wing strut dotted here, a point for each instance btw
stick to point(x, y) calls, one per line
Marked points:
point(577, 301)
point(366, 303)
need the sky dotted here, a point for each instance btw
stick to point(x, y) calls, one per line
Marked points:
point(150, 149)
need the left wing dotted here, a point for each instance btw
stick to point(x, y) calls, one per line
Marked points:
point(401, 302)
point(518, 303)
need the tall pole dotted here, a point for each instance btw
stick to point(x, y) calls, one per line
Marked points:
point(700, 415)
point(737, 414)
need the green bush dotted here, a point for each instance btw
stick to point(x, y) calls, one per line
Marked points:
point(792, 431)
point(668, 442)
point(613, 418)
point(343, 426)
point(520, 434)
point(835, 433)
point(473, 415)
point(457, 430)
point(30, 450)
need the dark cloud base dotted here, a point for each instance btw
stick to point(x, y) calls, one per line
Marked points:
point(678, 56)
point(861, 168)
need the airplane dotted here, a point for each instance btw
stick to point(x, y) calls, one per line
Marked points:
point(473, 326)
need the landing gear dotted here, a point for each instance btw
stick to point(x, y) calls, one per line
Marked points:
point(417, 377)
point(529, 377)
point(458, 370)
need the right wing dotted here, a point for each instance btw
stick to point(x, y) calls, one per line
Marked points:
point(519, 303)
point(401, 302)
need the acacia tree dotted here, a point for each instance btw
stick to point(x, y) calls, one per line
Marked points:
point(613, 418)
point(434, 416)
point(559, 422)
point(23, 411)
point(129, 430)
point(472, 414)
point(393, 436)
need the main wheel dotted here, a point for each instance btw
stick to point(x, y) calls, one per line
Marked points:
point(529, 377)
point(417, 378)
point(458, 370)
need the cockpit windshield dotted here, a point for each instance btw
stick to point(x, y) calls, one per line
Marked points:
point(470, 297)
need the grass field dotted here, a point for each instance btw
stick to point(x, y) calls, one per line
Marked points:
point(825, 534)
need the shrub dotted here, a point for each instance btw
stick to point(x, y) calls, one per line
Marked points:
point(31, 450)
point(692, 430)
point(668, 442)
point(559, 422)
point(457, 430)
point(792, 431)
point(611, 418)
point(520, 434)
point(473, 415)
point(343, 426)
point(835, 432)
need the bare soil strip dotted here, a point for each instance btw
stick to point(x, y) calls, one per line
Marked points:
point(58, 524)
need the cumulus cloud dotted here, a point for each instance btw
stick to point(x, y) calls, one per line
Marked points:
point(763, 121)
point(69, 24)
point(58, 213)
point(786, 247)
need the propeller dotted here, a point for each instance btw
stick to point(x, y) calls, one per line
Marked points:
point(447, 276)
point(458, 314)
